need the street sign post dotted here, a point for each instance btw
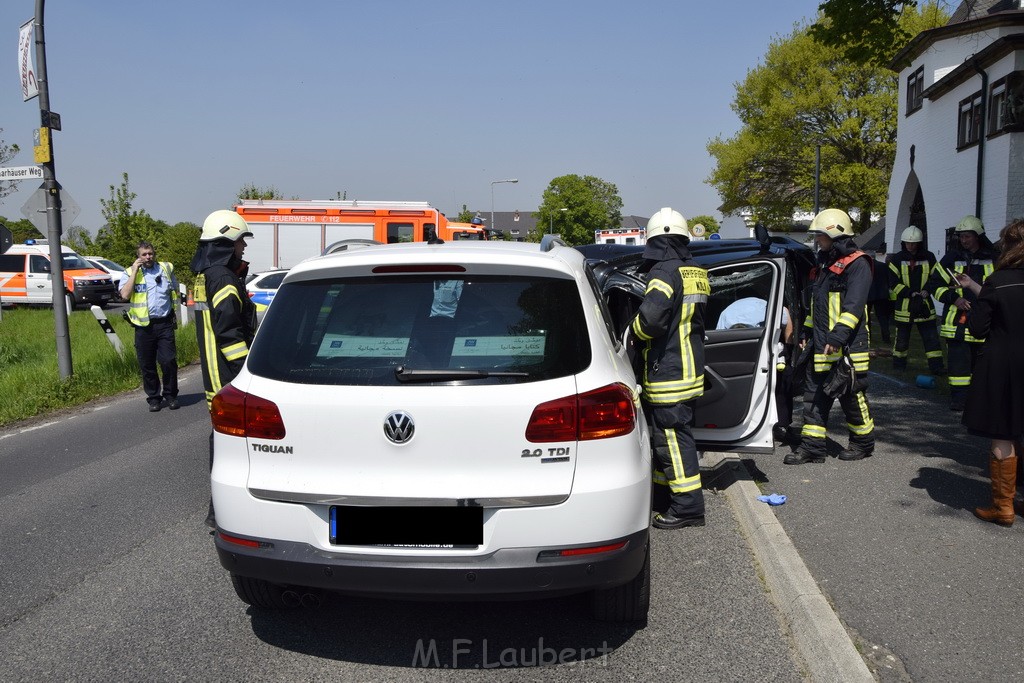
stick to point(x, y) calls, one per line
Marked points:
point(35, 209)
point(20, 172)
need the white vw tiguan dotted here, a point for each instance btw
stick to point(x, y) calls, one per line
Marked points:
point(444, 420)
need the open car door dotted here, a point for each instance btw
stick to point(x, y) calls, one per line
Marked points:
point(737, 411)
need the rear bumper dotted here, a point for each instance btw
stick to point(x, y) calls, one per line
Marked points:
point(512, 573)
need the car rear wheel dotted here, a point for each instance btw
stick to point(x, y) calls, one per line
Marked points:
point(628, 602)
point(260, 593)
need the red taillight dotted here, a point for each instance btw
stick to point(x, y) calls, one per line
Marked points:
point(576, 552)
point(607, 412)
point(237, 413)
point(247, 542)
point(598, 414)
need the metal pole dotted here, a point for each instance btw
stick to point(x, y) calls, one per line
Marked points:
point(492, 203)
point(54, 230)
point(817, 176)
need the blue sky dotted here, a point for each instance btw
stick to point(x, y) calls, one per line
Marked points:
point(389, 99)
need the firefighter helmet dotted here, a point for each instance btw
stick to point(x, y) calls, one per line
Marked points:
point(912, 234)
point(667, 222)
point(970, 224)
point(224, 223)
point(832, 222)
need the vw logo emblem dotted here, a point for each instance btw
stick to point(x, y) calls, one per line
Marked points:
point(399, 427)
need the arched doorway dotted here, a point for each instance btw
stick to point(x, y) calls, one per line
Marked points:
point(918, 216)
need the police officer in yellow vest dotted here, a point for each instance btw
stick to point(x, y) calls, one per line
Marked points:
point(152, 293)
point(670, 326)
point(975, 258)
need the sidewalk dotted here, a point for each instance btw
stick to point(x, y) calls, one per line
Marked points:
point(926, 591)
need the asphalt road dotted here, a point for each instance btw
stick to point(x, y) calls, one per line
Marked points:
point(928, 592)
point(107, 573)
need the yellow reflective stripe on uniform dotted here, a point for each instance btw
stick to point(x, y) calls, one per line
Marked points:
point(934, 354)
point(867, 424)
point(960, 381)
point(681, 483)
point(658, 477)
point(848, 319)
point(223, 294)
point(210, 342)
point(813, 431)
point(861, 360)
point(639, 330)
point(834, 308)
point(686, 363)
point(822, 362)
point(235, 351)
point(661, 286)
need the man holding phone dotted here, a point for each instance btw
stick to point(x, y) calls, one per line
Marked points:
point(152, 293)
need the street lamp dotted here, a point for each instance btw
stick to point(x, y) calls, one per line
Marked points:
point(551, 224)
point(493, 183)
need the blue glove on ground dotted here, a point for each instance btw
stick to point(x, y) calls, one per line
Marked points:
point(773, 499)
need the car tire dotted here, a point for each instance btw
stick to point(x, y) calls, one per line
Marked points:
point(260, 593)
point(628, 602)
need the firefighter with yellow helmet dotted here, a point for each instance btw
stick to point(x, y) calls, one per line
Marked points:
point(976, 258)
point(225, 316)
point(909, 270)
point(670, 328)
point(837, 323)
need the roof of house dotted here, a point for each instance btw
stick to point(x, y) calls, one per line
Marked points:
point(975, 9)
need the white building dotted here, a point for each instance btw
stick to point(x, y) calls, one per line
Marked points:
point(960, 142)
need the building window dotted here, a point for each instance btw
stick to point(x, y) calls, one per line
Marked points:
point(969, 124)
point(915, 90)
point(1006, 104)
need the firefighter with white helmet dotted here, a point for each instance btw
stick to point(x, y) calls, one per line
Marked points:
point(836, 324)
point(670, 328)
point(909, 270)
point(225, 316)
point(975, 258)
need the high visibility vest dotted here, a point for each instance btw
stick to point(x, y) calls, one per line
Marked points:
point(138, 303)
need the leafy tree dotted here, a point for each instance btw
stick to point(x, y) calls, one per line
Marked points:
point(79, 239)
point(465, 216)
point(873, 31)
point(21, 230)
point(125, 227)
point(710, 223)
point(590, 202)
point(178, 245)
point(7, 152)
point(250, 191)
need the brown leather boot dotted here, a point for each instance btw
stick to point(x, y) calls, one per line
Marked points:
point(1004, 484)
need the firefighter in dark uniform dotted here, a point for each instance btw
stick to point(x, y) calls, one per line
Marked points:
point(670, 328)
point(975, 258)
point(908, 271)
point(225, 316)
point(837, 321)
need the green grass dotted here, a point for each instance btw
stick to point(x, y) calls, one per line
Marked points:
point(30, 381)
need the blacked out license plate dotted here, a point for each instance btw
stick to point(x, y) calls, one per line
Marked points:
point(407, 527)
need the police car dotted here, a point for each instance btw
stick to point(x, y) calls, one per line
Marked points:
point(262, 287)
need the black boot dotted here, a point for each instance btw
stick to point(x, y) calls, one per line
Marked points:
point(855, 453)
point(667, 520)
point(800, 456)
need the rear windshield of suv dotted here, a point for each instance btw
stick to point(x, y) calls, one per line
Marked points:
point(421, 329)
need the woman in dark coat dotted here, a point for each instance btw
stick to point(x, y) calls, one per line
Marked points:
point(995, 399)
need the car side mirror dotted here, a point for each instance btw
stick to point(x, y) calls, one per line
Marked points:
point(762, 236)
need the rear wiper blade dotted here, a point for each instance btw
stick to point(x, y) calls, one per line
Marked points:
point(404, 374)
